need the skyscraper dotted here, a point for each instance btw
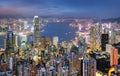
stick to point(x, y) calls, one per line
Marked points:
point(112, 36)
point(36, 30)
point(89, 67)
point(104, 41)
point(9, 42)
point(114, 57)
point(93, 38)
point(42, 72)
point(81, 66)
point(98, 34)
point(108, 48)
point(11, 63)
point(55, 40)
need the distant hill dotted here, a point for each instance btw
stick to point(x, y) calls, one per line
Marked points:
point(112, 20)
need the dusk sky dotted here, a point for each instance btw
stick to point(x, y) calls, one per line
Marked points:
point(63, 8)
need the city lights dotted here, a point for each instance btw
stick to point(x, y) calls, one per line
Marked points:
point(59, 38)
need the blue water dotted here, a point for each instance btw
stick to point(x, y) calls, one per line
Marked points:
point(51, 29)
point(60, 29)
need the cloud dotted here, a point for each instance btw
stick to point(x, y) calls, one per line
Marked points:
point(60, 7)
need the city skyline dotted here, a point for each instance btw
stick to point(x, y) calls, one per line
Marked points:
point(59, 8)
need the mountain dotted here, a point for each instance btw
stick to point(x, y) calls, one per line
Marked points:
point(111, 20)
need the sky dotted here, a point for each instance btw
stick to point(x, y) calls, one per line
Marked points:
point(61, 8)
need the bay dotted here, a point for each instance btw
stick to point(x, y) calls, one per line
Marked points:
point(51, 29)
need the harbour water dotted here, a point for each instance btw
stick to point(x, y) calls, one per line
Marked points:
point(51, 29)
point(60, 29)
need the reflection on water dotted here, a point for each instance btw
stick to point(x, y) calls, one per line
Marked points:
point(60, 29)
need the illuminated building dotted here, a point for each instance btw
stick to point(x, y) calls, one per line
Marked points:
point(55, 41)
point(93, 38)
point(114, 57)
point(89, 67)
point(45, 40)
point(20, 71)
point(56, 64)
point(117, 38)
point(67, 63)
point(104, 41)
point(117, 69)
point(10, 63)
point(117, 46)
point(69, 46)
point(42, 72)
point(108, 48)
point(51, 71)
point(15, 43)
point(82, 44)
point(9, 42)
point(16, 40)
point(112, 36)
point(98, 34)
point(64, 71)
point(23, 42)
point(73, 61)
point(4, 43)
point(36, 30)
point(25, 24)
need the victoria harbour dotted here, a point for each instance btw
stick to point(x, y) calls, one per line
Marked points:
point(51, 29)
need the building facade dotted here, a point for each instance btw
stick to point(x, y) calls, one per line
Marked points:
point(114, 57)
point(89, 67)
point(36, 30)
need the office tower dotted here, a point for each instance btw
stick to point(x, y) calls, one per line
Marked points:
point(9, 42)
point(45, 41)
point(56, 64)
point(42, 72)
point(89, 67)
point(23, 42)
point(4, 43)
point(16, 40)
point(114, 57)
point(104, 41)
point(25, 24)
point(82, 44)
point(106, 30)
point(93, 38)
point(69, 46)
point(81, 66)
point(74, 73)
point(75, 61)
point(36, 30)
point(117, 70)
point(63, 71)
point(51, 71)
point(20, 71)
point(108, 48)
point(66, 62)
point(43, 53)
point(15, 43)
point(55, 41)
point(112, 36)
point(26, 71)
point(98, 34)
point(10, 63)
